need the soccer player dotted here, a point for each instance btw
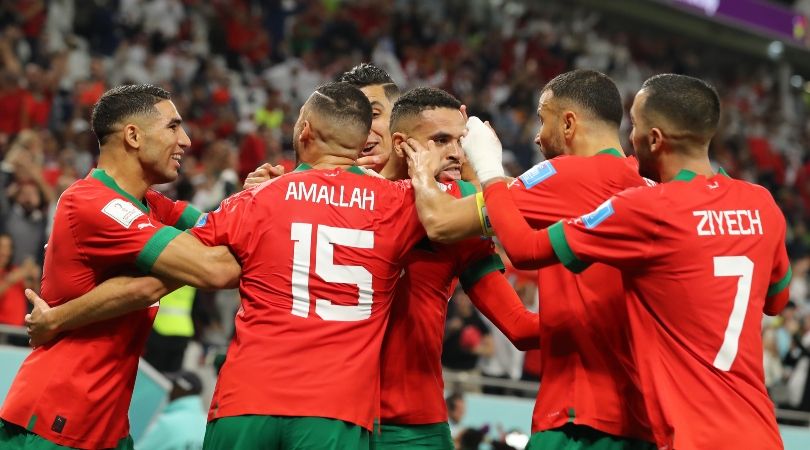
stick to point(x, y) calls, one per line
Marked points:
point(702, 256)
point(75, 391)
point(588, 397)
point(320, 250)
point(413, 410)
point(411, 353)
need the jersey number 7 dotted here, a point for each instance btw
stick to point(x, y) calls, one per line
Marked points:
point(734, 266)
point(325, 267)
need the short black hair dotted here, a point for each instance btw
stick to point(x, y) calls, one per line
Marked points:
point(420, 99)
point(689, 103)
point(591, 90)
point(122, 102)
point(343, 104)
point(366, 74)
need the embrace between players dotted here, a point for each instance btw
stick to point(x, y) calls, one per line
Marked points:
point(650, 294)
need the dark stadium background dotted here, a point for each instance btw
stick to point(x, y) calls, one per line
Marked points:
point(239, 71)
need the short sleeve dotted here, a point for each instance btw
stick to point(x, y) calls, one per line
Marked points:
point(226, 225)
point(112, 231)
point(179, 214)
point(537, 193)
point(402, 199)
point(619, 233)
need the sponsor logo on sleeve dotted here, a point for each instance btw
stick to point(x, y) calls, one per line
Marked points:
point(122, 211)
point(537, 174)
point(598, 215)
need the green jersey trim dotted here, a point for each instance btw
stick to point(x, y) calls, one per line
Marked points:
point(353, 169)
point(780, 285)
point(688, 175)
point(466, 188)
point(188, 219)
point(479, 269)
point(106, 180)
point(31, 422)
point(556, 234)
point(611, 151)
point(154, 247)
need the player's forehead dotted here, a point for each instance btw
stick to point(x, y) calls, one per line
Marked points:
point(638, 104)
point(167, 111)
point(441, 120)
point(546, 102)
point(375, 94)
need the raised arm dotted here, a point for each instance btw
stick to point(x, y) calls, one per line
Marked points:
point(445, 218)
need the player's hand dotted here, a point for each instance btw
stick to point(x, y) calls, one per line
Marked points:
point(372, 161)
point(483, 150)
point(38, 324)
point(263, 173)
point(423, 161)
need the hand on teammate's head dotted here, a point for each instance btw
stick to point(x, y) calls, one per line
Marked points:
point(263, 173)
point(426, 161)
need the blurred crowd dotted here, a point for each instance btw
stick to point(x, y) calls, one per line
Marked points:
point(240, 69)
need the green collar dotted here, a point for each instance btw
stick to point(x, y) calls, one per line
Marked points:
point(611, 151)
point(106, 180)
point(353, 169)
point(688, 175)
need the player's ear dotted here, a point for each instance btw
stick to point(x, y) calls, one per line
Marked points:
point(396, 139)
point(569, 125)
point(132, 135)
point(306, 132)
point(656, 138)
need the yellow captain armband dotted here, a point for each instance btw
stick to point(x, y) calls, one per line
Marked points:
point(483, 218)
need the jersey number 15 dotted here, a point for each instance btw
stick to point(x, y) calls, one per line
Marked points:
point(325, 267)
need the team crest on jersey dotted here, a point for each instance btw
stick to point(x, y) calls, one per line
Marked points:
point(598, 215)
point(122, 211)
point(537, 174)
point(444, 187)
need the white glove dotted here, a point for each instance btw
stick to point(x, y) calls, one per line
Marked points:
point(483, 150)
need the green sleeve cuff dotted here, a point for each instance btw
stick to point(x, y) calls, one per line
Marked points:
point(466, 188)
point(780, 285)
point(154, 247)
point(188, 219)
point(479, 269)
point(556, 235)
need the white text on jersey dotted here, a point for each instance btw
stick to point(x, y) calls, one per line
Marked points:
point(330, 195)
point(732, 222)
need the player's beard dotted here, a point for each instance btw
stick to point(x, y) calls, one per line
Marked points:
point(647, 165)
point(554, 147)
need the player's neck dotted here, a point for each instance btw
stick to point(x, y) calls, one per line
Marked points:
point(332, 162)
point(674, 163)
point(127, 176)
point(396, 168)
point(595, 143)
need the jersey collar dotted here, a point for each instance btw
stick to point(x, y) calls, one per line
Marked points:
point(611, 151)
point(353, 169)
point(106, 180)
point(688, 175)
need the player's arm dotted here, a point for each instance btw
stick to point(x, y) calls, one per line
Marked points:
point(781, 274)
point(445, 218)
point(186, 260)
point(498, 302)
point(112, 298)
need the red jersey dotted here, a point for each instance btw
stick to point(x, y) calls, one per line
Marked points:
point(587, 374)
point(412, 387)
point(75, 391)
point(13, 304)
point(321, 251)
point(698, 258)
